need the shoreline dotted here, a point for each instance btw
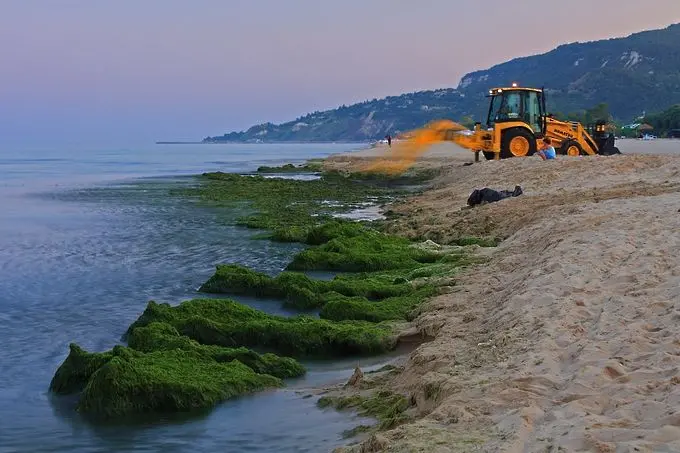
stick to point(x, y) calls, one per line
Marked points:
point(361, 314)
point(566, 337)
point(471, 348)
point(320, 142)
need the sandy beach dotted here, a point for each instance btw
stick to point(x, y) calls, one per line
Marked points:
point(568, 337)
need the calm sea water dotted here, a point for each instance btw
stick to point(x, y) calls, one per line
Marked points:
point(87, 238)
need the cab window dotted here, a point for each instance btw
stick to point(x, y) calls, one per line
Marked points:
point(504, 107)
point(511, 107)
point(532, 110)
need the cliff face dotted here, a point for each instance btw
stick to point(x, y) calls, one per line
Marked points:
point(637, 73)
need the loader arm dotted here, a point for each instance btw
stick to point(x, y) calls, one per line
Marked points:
point(570, 137)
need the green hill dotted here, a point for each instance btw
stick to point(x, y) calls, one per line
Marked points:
point(635, 74)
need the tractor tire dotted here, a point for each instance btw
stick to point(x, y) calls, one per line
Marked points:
point(571, 148)
point(489, 155)
point(518, 143)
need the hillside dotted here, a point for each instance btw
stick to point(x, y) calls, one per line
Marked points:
point(637, 73)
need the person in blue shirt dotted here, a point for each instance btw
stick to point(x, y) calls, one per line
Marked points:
point(546, 150)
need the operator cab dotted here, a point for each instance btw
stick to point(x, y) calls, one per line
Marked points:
point(517, 104)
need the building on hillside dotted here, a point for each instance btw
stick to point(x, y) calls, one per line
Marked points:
point(636, 130)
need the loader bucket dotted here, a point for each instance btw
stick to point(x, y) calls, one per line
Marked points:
point(605, 141)
point(606, 146)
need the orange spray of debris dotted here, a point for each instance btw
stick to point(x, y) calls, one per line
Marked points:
point(403, 154)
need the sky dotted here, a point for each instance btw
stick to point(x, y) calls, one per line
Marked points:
point(137, 71)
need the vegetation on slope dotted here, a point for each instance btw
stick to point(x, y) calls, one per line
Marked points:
point(632, 74)
point(666, 121)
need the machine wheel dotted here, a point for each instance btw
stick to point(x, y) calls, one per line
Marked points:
point(518, 143)
point(489, 155)
point(571, 148)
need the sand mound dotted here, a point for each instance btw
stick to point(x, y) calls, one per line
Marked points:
point(568, 338)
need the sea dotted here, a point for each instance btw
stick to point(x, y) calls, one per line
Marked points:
point(88, 236)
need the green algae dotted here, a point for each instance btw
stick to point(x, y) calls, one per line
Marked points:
point(387, 407)
point(163, 337)
point(195, 355)
point(230, 324)
point(333, 229)
point(317, 234)
point(368, 252)
point(297, 289)
point(74, 373)
point(482, 242)
point(132, 382)
point(367, 297)
point(380, 288)
point(288, 208)
point(163, 371)
point(125, 381)
point(359, 308)
point(311, 166)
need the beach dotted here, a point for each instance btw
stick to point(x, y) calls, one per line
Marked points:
point(566, 337)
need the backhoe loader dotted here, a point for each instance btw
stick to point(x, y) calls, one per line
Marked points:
point(517, 119)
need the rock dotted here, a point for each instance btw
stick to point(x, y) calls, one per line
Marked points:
point(431, 244)
point(374, 443)
point(356, 378)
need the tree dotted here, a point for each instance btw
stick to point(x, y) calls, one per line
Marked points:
point(579, 117)
point(560, 116)
point(599, 112)
point(663, 122)
point(468, 122)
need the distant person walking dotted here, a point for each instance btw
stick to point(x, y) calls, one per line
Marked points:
point(389, 140)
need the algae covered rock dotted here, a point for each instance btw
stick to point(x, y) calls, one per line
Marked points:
point(295, 288)
point(340, 307)
point(388, 407)
point(312, 166)
point(368, 252)
point(298, 290)
point(132, 382)
point(327, 231)
point(158, 336)
point(74, 373)
point(164, 371)
point(230, 324)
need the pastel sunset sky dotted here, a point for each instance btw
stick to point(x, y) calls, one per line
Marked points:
point(135, 71)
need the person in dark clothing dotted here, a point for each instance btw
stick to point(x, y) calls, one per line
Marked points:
point(389, 140)
point(486, 195)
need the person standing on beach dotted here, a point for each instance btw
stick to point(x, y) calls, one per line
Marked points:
point(389, 140)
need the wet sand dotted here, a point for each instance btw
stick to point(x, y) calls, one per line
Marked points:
point(568, 337)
